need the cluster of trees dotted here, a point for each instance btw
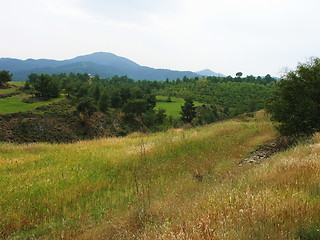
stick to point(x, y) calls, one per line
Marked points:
point(294, 101)
point(232, 96)
point(91, 94)
point(44, 86)
point(222, 96)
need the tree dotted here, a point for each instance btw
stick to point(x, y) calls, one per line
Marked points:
point(96, 93)
point(239, 74)
point(5, 77)
point(86, 108)
point(188, 111)
point(47, 86)
point(295, 103)
point(33, 77)
point(104, 101)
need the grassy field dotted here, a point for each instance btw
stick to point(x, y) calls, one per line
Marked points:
point(7, 90)
point(181, 184)
point(18, 84)
point(172, 108)
point(15, 104)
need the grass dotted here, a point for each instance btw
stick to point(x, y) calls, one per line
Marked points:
point(94, 187)
point(181, 184)
point(15, 104)
point(18, 84)
point(7, 90)
point(172, 108)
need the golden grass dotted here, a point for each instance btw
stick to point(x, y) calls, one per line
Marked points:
point(273, 200)
point(180, 184)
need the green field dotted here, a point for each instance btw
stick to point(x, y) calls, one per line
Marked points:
point(14, 104)
point(18, 84)
point(172, 108)
point(7, 90)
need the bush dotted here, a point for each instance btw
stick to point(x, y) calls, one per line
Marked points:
point(295, 104)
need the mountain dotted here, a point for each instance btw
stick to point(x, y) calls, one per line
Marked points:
point(208, 72)
point(103, 63)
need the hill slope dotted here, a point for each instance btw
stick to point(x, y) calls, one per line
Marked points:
point(181, 184)
point(102, 63)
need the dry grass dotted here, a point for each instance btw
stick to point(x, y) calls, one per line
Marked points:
point(279, 199)
point(181, 184)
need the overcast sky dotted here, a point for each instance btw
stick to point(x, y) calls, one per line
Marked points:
point(252, 36)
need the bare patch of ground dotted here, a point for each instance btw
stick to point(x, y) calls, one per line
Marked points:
point(267, 150)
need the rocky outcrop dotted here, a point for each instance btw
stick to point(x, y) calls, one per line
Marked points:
point(267, 150)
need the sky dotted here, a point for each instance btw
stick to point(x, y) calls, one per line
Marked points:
point(255, 37)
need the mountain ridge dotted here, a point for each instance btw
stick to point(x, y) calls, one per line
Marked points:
point(209, 72)
point(105, 64)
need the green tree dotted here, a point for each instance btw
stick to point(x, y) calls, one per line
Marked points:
point(295, 103)
point(161, 116)
point(86, 108)
point(5, 77)
point(33, 77)
point(47, 86)
point(188, 111)
point(239, 74)
point(116, 100)
point(135, 106)
point(104, 101)
point(96, 93)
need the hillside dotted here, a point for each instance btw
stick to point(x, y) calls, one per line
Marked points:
point(181, 184)
point(103, 63)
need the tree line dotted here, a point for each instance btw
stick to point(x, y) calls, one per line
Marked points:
point(135, 101)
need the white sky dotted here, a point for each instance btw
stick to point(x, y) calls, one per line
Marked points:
point(252, 36)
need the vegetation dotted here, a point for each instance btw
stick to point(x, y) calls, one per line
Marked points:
point(188, 111)
point(15, 104)
point(126, 105)
point(229, 96)
point(181, 184)
point(55, 190)
point(5, 77)
point(295, 103)
point(172, 105)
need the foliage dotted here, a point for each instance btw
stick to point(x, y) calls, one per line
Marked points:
point(295, 103)
point(239, 74)
point(5, 77)
point(104, 101)
point(135, 102)
point(86, 108)
point(188, 111)
point(15, 104)
point(47, 86)
point(231, 96)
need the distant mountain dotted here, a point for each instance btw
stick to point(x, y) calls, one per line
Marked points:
point(208, 72)
point(102, 63)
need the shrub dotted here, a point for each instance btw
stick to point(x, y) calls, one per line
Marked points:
point(295, 104)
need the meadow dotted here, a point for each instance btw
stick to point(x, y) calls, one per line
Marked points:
point(180, 184)
point(15, 104)
point(7, 90)
point(172, 108)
